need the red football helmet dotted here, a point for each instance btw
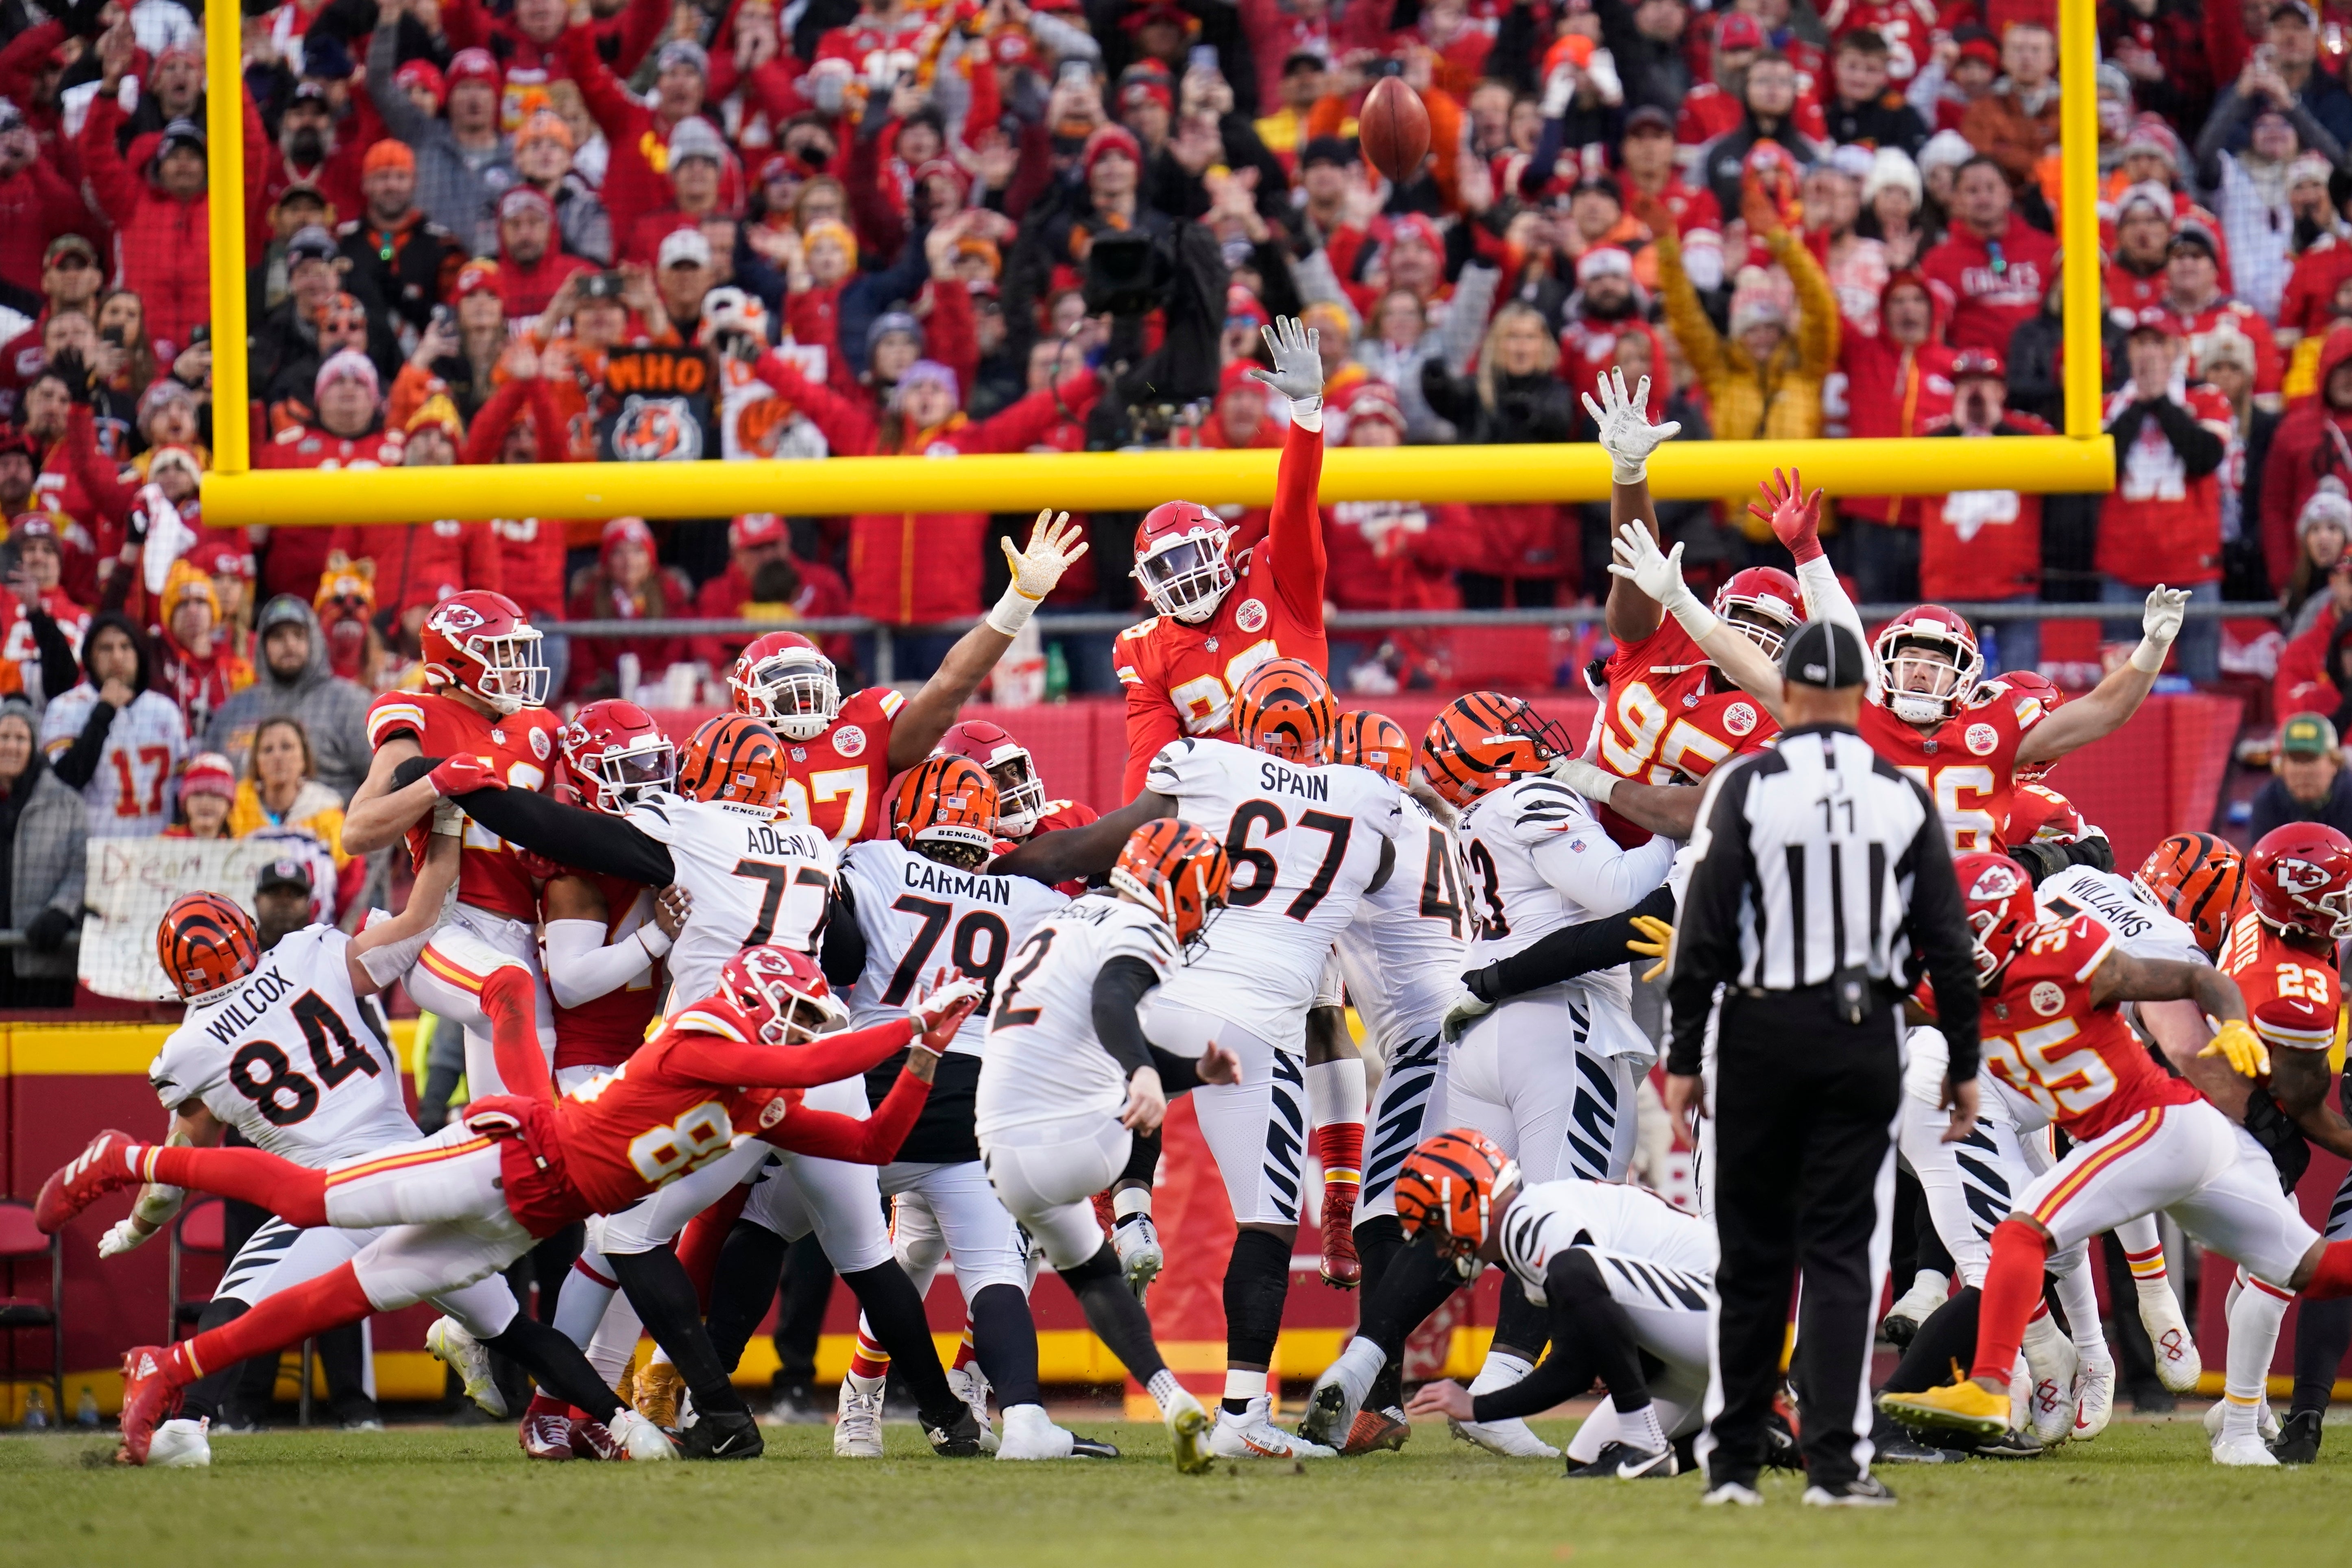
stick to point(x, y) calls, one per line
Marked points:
point(2300, 879)
point(1183, 561)
point(616, 754)
point(1019, 793)
point(1763, 604)
point(205, 942)
point(1176, 869)
point(783, 993)
point(730, 757)
point(1930, 644)
point(783, 680)
point(2038, 812)
point(481, 643)
point(2032, 684)
point(1485, 740)
point(946, 804)
point(1998, 899)
point(1284, 708)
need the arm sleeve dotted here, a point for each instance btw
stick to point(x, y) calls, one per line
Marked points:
point(1295, 531)
point(1939, 933)
point(710, 1060)
point(1706, 937)
point(1151, 724)
point(1569, 952)
point(844, 959)
point(581, 966)
point(1118, 988)
point(1826, 599)
point(2220, 122)
point(2200, 450)
point(873, 1141)
point(59, 669)
point(78, 766)
point(565, 834)
point(1178, 1075)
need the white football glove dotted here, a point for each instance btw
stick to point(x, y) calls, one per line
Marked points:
point(1659, 576)
point(929, 1010)
point(1592, 782)
point(1054, 543)
point(2159, 623)
point(1298, 372)
point(1467, 1010)
point(1626, 432)
point(124, 1235)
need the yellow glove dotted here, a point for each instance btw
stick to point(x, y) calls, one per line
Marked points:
point(1661, 936)
point(2242, 1047)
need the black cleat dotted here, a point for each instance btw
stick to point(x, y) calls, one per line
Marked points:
point(1901, 1447)
point(2152, 1399)
point(2298, 1440)
point(1781, 1450)
point(2011, 1445)
point(1863, 1491)
point(796, 1404)
point(1624, 1462)
point(956, 1436)
point(1089, 1449)
point(722, 1435)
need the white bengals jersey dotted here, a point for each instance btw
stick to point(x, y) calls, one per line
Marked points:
point(1402, 954)
point(919, 917)
point(289, 1057)
point(1305, 843)
point(1536, 859)
point(131, 795)
point(1643, 1233)
point(754, 878)
point(2143, 928)
point(1043, 1061)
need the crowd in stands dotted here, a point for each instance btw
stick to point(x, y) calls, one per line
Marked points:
point(642, 230)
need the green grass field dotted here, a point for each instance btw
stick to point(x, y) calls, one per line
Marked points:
point(2142, 1494)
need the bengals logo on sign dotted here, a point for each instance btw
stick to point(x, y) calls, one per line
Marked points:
point(656, 430)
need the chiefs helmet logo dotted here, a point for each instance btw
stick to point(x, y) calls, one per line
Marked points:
point(2299, 876)
point(656, 430)
point(455, 619)
point(1995, 882)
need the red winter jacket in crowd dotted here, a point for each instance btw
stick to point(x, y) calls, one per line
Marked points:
point(1891, 390)
point(2312, 442)
point(294, 557)
point(725, 597)
point(1982, 544)
point(635, 179)
point(531, 549)
point(623, 41)
point(1981, 302)
point(2302, 684)
point(1394, 555)
point(36, 205)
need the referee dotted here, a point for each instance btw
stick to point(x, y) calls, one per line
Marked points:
point(1821, 874)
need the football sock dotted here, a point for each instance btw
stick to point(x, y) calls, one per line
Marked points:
point(1521, 1327)
point(1949, 1338)
point(1004, 1339)
point(509, 1001)
point(1242, 1388)
point(1584, 1315)
point(1335, 1102)
point(2012, 1288)
point(968, 1350)
point(2255, 1314)
point(1639, 1425)
point(2323, 1333)
point(1142, 1167)
point(742, 1286)
point(2143, 1248)
point(895, 1313)
point(1117, 1319)
point(556, 1363)
point(2078, 1298)
point(206, 1396)
point(699, 1243)
point(867, 1356)
point(2333, 1278)
point(614, 1343)
point(1359, 1370)
point(588, 1289)
point(1165, 1390)
point(664, 1297)
point(1380, 1241)
point(1257, 1280)
point(1499, 1371)
point(289, 1317)
point(296, 1194)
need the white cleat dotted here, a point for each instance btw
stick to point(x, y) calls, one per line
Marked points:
point(2177, 1365)
point(1911, 1309)
point(971, 1385)
point(1137, 1242)
point(1253, 1436)
point(645, 1441)
point(1330, 1410)
point(2245, 1452)
point(2053, 1397)
point(463, 1355)
point(857, 1431)
point(1030, 1434)
point(1514, 1439)
point(180, 1444)
point(2094, 1398)
point(2266, 1421)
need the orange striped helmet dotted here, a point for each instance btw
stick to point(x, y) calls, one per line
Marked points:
point(1177, 869)
point(1485, 740)
point(1449, 1185)
point(946, 804)
point(1373, 740)
point(2198, 877)
point(731, 757)
point(205, 942)
point(1284, 708)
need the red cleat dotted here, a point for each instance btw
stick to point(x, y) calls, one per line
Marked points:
point(546, 1430)
point(147, 1396)
point(1375, 1431)
point(90, 1175)
point(592, 1439)
point(1341, 1266)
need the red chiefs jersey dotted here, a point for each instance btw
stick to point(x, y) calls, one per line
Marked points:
point(2129, 292)
point(2160, 525)
point(1180, 677)
point(1967, 763)
point(1665, 721)
point(1982, 544)
point(1057, 816)
point(19, 651)
point(604, 1032)
point(863, 46)
point(2201, 326)
point(490, 875)
point(2045, 1039)
point(839, 782)
point(2292, 996)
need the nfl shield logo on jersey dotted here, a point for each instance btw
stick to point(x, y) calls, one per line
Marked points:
point(849, 740)
point(1981, 738)
point(2048, 999)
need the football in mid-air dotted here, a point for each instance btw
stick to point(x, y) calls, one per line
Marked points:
point(1393, 129)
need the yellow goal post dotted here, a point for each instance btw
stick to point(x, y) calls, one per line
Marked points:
point(2082, 460)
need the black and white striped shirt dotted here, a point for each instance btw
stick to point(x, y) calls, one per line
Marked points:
point(1813, 857)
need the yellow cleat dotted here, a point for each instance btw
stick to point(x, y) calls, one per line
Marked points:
point(1188, 1433)
point(1962, 1406)
point(658, 1386)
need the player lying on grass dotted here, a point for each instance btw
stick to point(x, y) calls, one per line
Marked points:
point(470, 1199)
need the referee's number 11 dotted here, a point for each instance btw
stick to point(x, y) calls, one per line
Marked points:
point(1828, 813)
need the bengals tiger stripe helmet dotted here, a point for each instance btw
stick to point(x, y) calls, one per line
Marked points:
point(1485, 740)
point(946, 804)
point(1373, 740)
point(2197, 877)
point(1284, 708)
point(205, 942)
point(731, 757)
point(1448, 1186)
point(1177, 870)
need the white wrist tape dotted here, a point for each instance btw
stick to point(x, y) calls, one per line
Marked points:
point(1306, 413)
point(1633, 472)
point(1012, 610)
point(2148, 657)
point(656, 941)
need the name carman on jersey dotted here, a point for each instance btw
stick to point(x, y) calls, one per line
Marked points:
point(929, 876)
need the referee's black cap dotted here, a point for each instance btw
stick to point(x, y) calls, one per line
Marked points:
point(1824, 654)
